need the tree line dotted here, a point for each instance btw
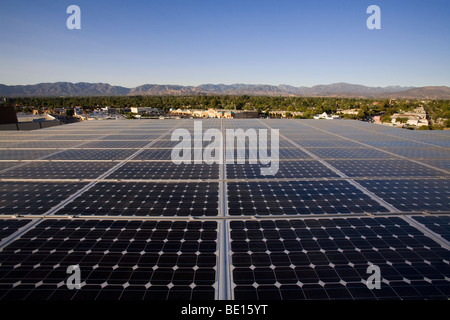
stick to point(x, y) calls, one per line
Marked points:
point(308, 106)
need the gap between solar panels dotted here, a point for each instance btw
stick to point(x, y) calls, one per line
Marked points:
point(224, 260)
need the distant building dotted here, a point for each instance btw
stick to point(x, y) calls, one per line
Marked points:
point(247, 114)
point(416, 117)
point(143, 110)
point(199, 113)
point(325, 116)
point(8, 115)
point(348, 111)
point(26, 117)
point(225, 114)
point(418, 122)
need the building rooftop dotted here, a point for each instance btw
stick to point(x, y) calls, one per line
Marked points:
point(106, 195)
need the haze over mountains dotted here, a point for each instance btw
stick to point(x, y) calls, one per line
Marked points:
point(67, 89)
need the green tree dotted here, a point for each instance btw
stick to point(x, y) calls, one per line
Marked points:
point(386, 118)
point(213, 103)
point(69, 112)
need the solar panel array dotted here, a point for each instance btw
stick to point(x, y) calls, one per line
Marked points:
point(106, 196)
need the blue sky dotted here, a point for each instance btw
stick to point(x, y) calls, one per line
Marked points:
point(293, 42)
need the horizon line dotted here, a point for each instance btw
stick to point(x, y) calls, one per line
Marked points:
point(229, 84)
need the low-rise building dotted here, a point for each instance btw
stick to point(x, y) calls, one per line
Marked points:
point(325, 116)
point(199, 113)
point(142, 110)
point(246, 114)
point(349, 111)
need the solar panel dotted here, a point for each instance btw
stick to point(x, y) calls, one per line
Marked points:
point(33, 197)
point(420, 153)
point(393, 143)
point(287, 169)
point(298, 197)
point(154, 154)
point(147, 137)
point(117, 259)
point(147, 199)
point(116, 144)
point(93, 154)
point(19, 154)
point(348, 153)
point(46, 144)
point(58, 170)
point(383, 168)
point(411, 194)
point(328, 259)
point(166, 170)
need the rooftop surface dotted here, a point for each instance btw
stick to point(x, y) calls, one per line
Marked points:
point(105, 195)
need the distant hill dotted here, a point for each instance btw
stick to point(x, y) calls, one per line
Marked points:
point(346, 90)
point(63, 89)
point(441, 92)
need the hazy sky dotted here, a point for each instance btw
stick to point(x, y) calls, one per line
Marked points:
point(190, 42)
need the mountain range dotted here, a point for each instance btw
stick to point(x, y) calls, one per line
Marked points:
point(345, 90)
